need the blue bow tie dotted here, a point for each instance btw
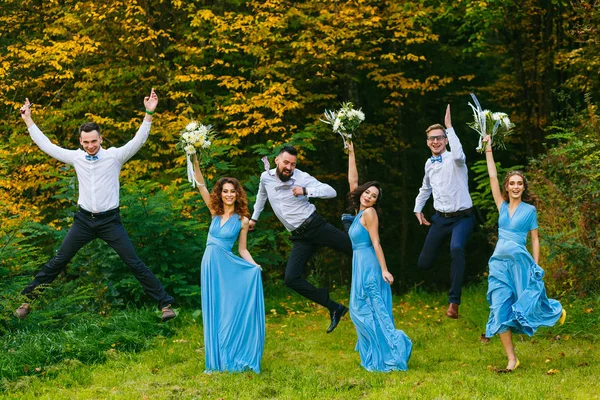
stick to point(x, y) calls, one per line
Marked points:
point(434, 159)
point(91, 158)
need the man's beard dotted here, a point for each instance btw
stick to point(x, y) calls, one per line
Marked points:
point(282, 177)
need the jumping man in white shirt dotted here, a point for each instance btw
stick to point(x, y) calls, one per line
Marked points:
point(98, 216)
point(446, 176)
point(288, 190)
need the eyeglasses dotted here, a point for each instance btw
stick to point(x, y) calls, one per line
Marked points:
point(439, 138)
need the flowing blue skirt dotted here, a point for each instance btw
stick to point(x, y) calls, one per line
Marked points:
point(233, 312)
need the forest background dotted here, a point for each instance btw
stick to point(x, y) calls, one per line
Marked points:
point(262, 73)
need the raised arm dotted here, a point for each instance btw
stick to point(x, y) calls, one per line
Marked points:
point(54, 151)
point(150, 102)
point(455, 146)
point(372, 224)
point(352, 171)
point(242, 249)
point(127, 151)
point(492, 172)
point(200, 183)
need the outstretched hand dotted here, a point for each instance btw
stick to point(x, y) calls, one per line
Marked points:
point(487, 139)
point(422, 220)
point(251, 225)
point(389, 278)
point(26, 109)
point(150, 102)
point(447, 118)
point(350, 146)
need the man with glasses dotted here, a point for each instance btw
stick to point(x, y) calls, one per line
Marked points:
point(288, 190)
point(446, 176)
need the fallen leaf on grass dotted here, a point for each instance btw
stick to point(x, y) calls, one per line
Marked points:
point(583, 364)
point(552, 372)
point(180, 341)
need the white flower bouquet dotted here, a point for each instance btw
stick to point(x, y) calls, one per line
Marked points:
point(196, 139)
point(344, 121)
point(486, 122)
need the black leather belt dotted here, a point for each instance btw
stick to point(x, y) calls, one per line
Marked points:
point(302, 228)
point(456, 213)
point(99, 214)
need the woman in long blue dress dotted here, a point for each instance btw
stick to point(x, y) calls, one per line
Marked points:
point(380, 345)
point(233, 309)
point(516, 292)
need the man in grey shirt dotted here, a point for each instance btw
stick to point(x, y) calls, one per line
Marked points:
point(288, 190)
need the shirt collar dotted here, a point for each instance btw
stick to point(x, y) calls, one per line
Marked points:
point(273, 173)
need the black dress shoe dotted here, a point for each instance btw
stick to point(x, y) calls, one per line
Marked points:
point(336, 316)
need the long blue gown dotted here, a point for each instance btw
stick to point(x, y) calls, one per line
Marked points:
point(233, 309)
point(380, 345)
point(516, 291)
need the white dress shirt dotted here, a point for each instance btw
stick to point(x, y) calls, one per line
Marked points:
point(447, 180)
point(98, 179)
point(291, 210)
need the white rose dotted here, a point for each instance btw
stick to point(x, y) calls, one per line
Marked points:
point(337, 124)
point(206, 144)
point(202, 131)
point(191, 126)
point(189, 149)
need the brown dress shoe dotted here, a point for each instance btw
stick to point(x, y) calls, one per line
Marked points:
point(22, 311)
point(452, 311)
point(167, 313)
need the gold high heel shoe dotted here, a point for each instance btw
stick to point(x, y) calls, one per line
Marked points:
point(563, 317)
point(515, 367)
point(508, 370)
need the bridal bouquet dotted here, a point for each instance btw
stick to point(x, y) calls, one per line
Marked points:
point(195, 139)
point(344, 121)
point(486, 122)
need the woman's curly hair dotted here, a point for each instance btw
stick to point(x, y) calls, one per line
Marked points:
point(354, 198)
point(241, 200)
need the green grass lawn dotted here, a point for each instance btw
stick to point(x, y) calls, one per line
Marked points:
point(301, 361)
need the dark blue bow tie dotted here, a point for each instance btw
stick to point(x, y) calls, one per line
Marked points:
point(91, 158)
point(434, 159)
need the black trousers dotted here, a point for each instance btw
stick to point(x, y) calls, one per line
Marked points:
point(458, 228)
point(108, 227)
point(318, 233)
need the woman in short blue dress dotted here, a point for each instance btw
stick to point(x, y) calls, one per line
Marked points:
point(516, 292)
point(380, 345)
point(233, 309)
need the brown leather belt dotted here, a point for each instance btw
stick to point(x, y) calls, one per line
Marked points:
point(302, 228)
point(99, 214)
point(455, 213)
